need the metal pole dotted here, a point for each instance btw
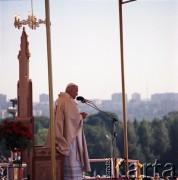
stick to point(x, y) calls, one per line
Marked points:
point(123, 90)
point(52, 135)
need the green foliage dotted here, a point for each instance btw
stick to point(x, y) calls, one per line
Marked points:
point(98, 144)
point(99, 135)
point(147, 140)
point(41, 128)
point(172, 122)
point(161, 142)
point(41, 122)
point(134, 146)
point(40, 136)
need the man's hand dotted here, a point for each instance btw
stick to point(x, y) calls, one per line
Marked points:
point(84, 115)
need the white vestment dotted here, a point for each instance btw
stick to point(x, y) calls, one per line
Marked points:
point(69, 128)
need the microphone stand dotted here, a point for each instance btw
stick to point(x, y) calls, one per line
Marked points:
point(114, 120)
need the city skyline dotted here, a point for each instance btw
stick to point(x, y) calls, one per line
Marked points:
point(86, 51)
point(158, 106)
point(110, 98)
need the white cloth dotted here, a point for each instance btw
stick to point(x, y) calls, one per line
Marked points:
point(68, 127)
point(72, 166)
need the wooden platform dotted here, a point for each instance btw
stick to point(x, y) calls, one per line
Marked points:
point(42, 166)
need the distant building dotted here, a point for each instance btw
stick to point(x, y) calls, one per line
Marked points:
point(3, 100)
point(159, 105)
point(37, 113)
point(165, 102)
point(44, 98)
point(164, 97)
point(4, 114)
point(97, 101)
point(107, 103)
point(117, 97)
point(136, 97)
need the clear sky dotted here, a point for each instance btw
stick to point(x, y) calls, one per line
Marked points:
point(86, 49)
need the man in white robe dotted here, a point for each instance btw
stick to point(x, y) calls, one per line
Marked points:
point(69, 136)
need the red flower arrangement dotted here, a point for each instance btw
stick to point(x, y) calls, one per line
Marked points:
point(15, 135)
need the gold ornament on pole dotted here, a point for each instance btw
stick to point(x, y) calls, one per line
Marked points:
point(31, 21)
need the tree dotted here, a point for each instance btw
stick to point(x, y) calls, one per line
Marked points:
point(98, 131)
point(173, 132)
point(161, 141)
point(134, 148)
point(41, 125)
point(145, 140)
point(41, 136)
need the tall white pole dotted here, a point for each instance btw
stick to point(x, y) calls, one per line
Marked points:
point(50, 81)
point(123, 85)
point(123, 89)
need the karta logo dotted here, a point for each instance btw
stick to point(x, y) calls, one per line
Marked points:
point(141, 170)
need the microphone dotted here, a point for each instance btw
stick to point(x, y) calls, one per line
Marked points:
point(82, 99)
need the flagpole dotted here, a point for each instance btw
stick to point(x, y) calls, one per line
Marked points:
point(123, 85)
point(49, 54)
point(123, 89)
